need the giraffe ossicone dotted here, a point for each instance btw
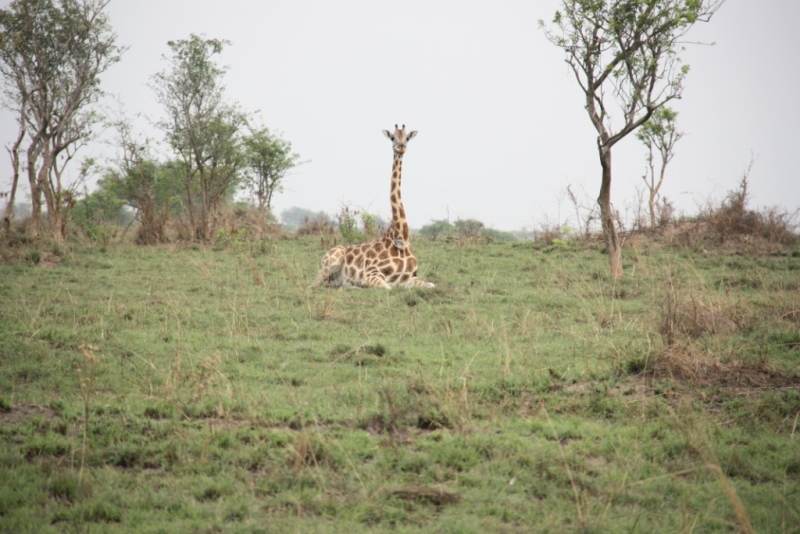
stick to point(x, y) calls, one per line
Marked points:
point(387, 261)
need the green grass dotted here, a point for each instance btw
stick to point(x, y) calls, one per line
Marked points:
point(197, 390)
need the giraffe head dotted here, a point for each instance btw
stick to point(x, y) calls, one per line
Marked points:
point(400, 138)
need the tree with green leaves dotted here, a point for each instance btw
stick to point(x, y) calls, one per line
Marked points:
point(470, 228)
point(52, 54)
point(624, 54)
point(268, 157)
point(442, 227)
point(140, 181)
point(202, 128)
point(659, 134)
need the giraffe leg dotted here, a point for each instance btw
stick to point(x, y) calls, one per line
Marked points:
point(375, 278)
point(416, 282)
point(330, 268)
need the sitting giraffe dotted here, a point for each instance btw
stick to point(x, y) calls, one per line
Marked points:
point(388, 261)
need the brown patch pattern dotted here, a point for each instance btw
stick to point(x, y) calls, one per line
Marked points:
point(387, 261)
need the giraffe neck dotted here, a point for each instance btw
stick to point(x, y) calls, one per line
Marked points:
point(399, 223)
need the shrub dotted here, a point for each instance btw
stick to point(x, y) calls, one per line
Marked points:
point(436, 229)
point(347, 219)
point(732, 218)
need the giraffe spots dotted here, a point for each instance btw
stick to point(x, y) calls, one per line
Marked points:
point(388, 260)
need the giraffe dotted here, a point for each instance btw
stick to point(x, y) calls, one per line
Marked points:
point(387, 261)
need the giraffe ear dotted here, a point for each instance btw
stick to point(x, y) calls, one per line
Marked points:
point(411, 135)
point(388, 134)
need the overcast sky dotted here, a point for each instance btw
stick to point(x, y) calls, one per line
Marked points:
point(502, 129)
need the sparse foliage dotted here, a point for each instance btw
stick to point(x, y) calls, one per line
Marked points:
point(469, 228)
point(624, 52)
point(138, 180)
point(658, 134)
point(347, 223)
point(438, 228)
point(202, 128)
point(295, 216)
point(733, 218)
point(268, 157)
point(51, 57)
point(586, 213)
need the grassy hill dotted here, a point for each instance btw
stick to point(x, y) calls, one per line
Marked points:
point(188, 389)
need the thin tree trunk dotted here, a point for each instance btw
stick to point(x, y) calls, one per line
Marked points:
point(14, 153)
point(652, 204)
point(189, 201)
point(651, 186)
point(62, 201)
point(205, 209)
point(51, 195)
point(36, 194)
point(607, 216)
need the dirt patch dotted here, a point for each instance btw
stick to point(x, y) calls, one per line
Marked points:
point(579, 387)
point(49, 261)
point(634, 388)
point(425, 494)
point(23, 412)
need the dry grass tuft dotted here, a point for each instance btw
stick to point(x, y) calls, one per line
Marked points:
point(685, 363)
point(692, 318)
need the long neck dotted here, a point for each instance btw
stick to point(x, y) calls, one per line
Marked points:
point(399, 223)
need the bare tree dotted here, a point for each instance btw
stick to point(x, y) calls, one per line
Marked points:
point(658, 133)
point(51, 57)
point(624, 52)
point(585, 212)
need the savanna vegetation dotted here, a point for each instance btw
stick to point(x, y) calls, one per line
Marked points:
point(183, 388)
point(164, 366)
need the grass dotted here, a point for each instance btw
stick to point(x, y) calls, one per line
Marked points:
point(207, 390)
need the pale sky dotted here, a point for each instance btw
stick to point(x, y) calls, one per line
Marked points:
point(502, 129)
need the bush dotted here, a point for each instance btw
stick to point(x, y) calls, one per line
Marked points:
point(319, 225)
point(436, 229)
point(732, 218)
point(347, 219)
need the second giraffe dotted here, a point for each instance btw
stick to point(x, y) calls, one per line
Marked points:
point(387, 261)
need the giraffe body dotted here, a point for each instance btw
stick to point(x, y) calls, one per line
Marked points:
point(387, 261)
